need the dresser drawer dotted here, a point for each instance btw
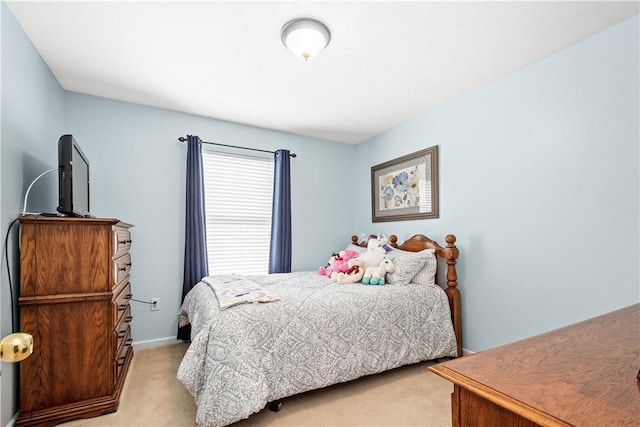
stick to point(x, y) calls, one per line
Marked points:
point(121, 303)
point(121, 241)
point(120, 331)
point(122, 354)
point(122, 266)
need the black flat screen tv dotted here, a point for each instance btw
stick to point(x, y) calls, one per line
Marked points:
point(73, 178)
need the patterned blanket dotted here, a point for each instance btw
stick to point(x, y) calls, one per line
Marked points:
point(319, 333)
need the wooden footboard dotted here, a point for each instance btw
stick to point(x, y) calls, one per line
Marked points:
point(449, 254)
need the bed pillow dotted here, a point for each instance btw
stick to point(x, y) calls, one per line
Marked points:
point(408, 264)
point(427, 274)
point(352, 247)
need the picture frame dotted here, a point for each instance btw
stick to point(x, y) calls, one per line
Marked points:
point(406, 188)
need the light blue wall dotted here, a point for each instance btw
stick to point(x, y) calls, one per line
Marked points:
point(137, 175)
point(32, 116)
point(539, 181)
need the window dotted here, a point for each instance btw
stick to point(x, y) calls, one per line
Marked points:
point(238, 192)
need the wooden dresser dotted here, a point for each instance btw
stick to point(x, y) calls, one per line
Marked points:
point(74, 300)
point(580, 375)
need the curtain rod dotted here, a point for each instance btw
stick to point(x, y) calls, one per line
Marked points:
point(183, 139)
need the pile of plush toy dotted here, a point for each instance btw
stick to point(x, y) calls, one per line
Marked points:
point(370, 267)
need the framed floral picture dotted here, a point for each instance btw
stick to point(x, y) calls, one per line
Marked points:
point(406, 188)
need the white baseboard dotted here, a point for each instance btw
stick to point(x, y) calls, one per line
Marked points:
point(466, 351)
point(158, 342)
point(12, 421)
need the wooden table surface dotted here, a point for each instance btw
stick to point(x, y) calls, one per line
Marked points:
point(582, 375)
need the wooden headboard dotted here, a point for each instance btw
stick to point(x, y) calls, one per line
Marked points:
point(449, 254)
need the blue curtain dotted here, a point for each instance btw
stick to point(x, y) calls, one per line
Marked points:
point(280, 250)
point(195, 242)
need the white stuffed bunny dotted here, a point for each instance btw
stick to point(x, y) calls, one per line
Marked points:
point(374, 253)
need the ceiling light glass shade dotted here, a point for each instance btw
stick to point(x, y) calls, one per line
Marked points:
point(16, 347)
point(305, 37)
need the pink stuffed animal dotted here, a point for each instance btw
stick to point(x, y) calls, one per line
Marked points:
point(338, 263)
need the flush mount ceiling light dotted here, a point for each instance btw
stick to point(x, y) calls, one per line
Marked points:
point(305, 37)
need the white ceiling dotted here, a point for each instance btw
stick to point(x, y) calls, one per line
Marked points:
point(387, 61)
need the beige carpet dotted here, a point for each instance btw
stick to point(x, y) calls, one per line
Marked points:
point(407, 396)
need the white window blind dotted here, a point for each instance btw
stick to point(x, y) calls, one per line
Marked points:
point(238, 193)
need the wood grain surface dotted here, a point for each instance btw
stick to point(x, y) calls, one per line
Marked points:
point(582, 375)
point(74, 300)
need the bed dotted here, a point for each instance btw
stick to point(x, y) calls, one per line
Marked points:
point(317, 332)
